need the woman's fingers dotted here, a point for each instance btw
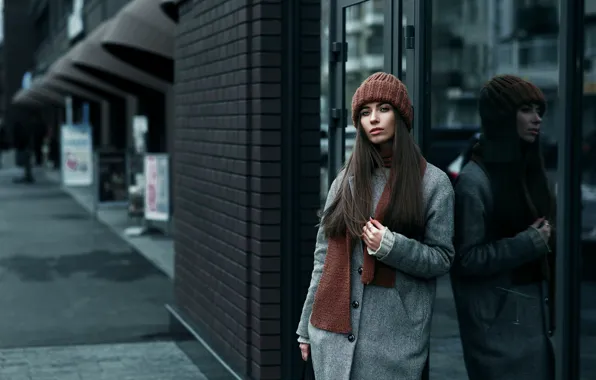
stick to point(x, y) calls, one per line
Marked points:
point(305, 350)
point(377, 225)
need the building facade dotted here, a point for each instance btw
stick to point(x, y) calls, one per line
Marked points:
point(231, 94)
point(245, 98)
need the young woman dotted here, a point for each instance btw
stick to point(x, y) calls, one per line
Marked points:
point(385, 235)
point(503, 214)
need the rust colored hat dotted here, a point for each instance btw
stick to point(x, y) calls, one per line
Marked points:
point(504, 94)
point(383, 87)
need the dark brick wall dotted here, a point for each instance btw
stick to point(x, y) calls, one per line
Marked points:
point(241, 218)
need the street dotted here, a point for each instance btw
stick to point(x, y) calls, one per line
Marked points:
point(78, 303)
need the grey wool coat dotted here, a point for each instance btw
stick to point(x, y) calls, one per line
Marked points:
point(391, 326)
point(503, 327)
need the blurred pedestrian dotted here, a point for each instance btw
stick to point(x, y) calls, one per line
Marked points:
point(4, 143)
point(504, 210)
point(385, 236)
point(23, 144)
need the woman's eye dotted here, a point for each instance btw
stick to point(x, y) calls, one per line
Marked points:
point(364, 113)
point(384, 109)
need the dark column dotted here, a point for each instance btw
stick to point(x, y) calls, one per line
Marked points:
point(247, 176)
point(17, 54)
point(569, 226)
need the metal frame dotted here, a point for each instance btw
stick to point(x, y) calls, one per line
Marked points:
point(393, 37)
point(338, 112)
point(422, 71)
point(292, 295)
point(568, 280)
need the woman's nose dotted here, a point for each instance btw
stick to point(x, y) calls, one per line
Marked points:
point(537, 117)
point(374, 116)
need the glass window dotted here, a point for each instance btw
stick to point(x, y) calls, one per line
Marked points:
point(375, 40)
point(363, 30)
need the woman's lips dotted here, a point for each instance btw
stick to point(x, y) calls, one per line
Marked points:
point(376, 131)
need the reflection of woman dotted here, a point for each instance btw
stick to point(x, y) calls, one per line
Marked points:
point(369, 306)
point(503, 209)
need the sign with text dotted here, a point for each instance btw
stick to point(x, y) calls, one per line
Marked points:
point(77, 154)
point(157, 187)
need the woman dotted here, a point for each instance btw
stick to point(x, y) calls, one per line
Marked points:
point(369, 306)
point(503, 214)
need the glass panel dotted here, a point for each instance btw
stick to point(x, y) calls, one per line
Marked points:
point(325, 14)
point(472, 41)
point(364, 34)
point(588, 194)
point(363, 27)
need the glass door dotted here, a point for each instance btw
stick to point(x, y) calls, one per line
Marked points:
point(363, 39)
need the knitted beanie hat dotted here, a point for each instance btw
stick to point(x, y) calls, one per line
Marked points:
point(502, 96)
point(383, 87)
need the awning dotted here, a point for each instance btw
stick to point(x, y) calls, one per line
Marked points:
point(55, 84)
point(24, 98)
point(144, 36)
point(48, 96)
point(170, 8)
point(64, 69)
point(89, 56)
point(45, 94)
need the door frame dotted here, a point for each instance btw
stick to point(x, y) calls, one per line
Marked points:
point(338, 55)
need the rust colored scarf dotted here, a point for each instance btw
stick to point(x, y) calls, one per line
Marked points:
point(331, 306)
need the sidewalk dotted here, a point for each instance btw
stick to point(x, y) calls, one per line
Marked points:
point(446, 351)
point(79, 302)
point(157, 249)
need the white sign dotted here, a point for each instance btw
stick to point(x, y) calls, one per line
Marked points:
point(140, 125)
point(26, 81)
point(77, 155)
point(157, 187)
point(75, 19)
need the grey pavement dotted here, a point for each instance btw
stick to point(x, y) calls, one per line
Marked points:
point(446, 351)
point(158, 249)
point(125, 361)
point(78, 302)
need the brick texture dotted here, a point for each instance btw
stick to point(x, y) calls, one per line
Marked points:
point(233, 90)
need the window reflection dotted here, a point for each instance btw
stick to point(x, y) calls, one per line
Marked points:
point(588, 194)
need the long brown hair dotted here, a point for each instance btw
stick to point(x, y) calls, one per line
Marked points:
point(353, 204)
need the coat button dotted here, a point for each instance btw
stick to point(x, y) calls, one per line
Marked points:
point(355, 304)
point(351, 338)
point(550, 332)
point(360, 270)
point(546, 300)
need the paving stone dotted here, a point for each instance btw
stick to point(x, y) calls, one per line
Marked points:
point(126, 361)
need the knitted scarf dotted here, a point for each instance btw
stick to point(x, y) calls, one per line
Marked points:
point(331, 306)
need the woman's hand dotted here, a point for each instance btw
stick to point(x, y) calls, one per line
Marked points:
point(543, 227)
point(305, 350)
point(372, 234)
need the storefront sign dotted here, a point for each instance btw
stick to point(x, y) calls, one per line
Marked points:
point(140, 126)
point(111, 180)
point(157, 194)
point(77, 154)
point(26, 81)
point(75, 20)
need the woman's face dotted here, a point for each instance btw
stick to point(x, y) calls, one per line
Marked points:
point(528, 122)
point(378, 122)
